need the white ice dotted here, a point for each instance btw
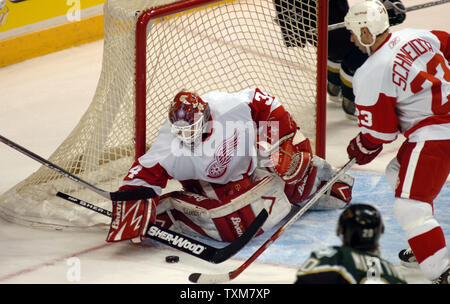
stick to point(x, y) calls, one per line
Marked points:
point(42, 100)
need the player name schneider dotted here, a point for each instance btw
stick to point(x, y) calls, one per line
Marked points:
point(227, 293)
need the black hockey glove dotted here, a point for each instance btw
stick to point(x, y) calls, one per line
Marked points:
point(396, 11)
point(296, 19)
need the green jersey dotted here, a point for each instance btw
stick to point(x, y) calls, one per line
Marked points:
point(345, 265)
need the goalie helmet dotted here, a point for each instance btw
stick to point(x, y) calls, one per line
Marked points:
point(360, 226)
point(188, 115)
point(371, 14)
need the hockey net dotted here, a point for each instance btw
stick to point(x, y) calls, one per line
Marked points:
point(152, 49)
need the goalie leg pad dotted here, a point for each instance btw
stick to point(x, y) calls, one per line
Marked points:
point(339, 195)
point(300, 191)
point(186, 216)
point(130, 220)
point(225, 219)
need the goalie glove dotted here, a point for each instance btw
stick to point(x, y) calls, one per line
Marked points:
point(130, 219)
point(293, 158)
point(363, 149)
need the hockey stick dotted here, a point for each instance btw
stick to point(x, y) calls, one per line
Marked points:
point(138, 193)
point(184, 243)
point(225, 277)
point(339, 25)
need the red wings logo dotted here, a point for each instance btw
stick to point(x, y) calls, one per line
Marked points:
point(222, 156)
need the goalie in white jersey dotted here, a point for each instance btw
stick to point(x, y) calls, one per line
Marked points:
point(234, 154)
point(403, 87)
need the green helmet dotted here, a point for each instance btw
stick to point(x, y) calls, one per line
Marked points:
point(360, 226)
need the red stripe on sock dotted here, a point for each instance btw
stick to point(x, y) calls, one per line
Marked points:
point(427, 244)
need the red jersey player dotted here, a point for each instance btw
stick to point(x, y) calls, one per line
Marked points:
point(234, 154)
point(403, 87)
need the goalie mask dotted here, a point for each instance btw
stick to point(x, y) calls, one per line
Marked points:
point(188, 115)
point(360, 226)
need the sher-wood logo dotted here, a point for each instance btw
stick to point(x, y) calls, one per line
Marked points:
point(176, 240)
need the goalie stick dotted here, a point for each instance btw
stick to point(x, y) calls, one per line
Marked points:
point(135, 194)
point(339, 25)
point(184, 243)
point(225, 277)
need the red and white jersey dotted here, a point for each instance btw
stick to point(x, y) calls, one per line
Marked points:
point(227, 154)
point(403, 87)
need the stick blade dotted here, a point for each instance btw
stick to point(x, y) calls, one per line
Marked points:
point(201, 278)
point(234, 247)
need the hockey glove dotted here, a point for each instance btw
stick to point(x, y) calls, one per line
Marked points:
point(363, 149)
point(293, 159)
point(396, 11)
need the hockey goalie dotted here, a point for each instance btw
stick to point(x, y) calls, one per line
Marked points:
point(234, 154)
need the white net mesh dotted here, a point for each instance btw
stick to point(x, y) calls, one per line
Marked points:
point(227, 45)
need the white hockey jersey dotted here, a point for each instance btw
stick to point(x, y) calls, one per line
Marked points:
point(403, 87)
point(227, 154)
